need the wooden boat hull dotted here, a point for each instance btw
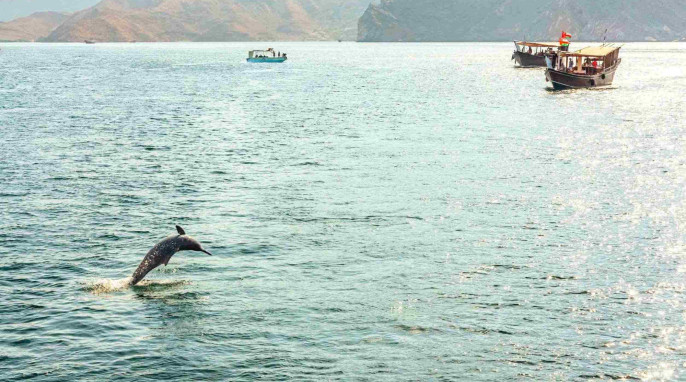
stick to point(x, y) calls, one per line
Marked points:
point(267, 59)
point(527, 60)
point(564, 80)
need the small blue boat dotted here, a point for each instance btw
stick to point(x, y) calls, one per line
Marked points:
point(268, 55)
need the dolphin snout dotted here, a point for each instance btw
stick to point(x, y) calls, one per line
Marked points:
point(202, 250)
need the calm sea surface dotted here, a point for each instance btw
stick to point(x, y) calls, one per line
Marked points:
point(379, 212)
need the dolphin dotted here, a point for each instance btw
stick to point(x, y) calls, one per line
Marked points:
point(163, 251)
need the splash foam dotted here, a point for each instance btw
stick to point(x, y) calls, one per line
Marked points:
point(108, 286)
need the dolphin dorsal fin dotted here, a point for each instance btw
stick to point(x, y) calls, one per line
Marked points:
point(180, 230)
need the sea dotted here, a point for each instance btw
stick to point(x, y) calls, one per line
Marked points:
point(376, 212)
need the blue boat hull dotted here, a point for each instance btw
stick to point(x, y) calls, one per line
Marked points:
point(267, 59)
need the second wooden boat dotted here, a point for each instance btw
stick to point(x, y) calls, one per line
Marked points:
point(532, 54)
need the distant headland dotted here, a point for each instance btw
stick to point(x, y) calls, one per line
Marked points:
point(532, 20)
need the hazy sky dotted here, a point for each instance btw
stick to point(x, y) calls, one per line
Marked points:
point(11, 9)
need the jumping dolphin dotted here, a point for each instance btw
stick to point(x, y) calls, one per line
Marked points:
point(162, 252)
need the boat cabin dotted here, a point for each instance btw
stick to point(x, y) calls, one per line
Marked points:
point(586, 61)
point(265, 53)
point(535, 48)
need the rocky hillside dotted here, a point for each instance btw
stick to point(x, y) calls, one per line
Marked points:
point(213, 20)
point(32, 27)
point(506, 20)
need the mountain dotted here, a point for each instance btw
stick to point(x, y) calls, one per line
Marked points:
point(33, 27)
point(507, 20)
point(213, 20)
point(12, 9)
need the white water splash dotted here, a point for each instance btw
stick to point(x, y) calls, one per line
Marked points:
point(104, 286)
point(108, 286)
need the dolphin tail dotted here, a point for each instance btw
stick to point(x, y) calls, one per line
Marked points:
point(143, 269)
point(135, 279)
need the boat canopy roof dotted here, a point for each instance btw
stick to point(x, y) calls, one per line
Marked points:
point(261, 50)
point(538, 44)
point(592, 51)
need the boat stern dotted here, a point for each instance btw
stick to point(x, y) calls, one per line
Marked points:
point(517, 58)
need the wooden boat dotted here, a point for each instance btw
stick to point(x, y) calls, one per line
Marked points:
point(586, 68)
point(268, 55)
point(532, 54)
point(89, 42)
